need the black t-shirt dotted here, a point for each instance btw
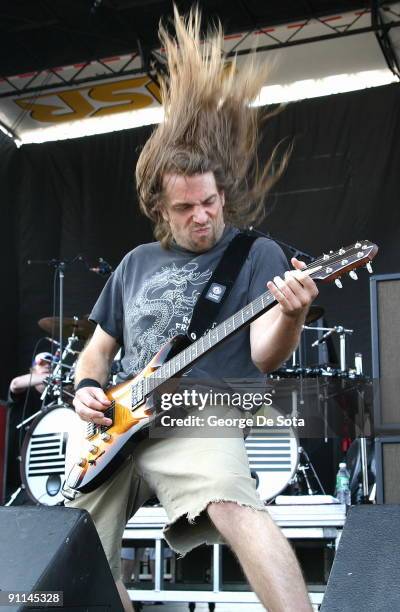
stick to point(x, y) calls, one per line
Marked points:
point(150, 298)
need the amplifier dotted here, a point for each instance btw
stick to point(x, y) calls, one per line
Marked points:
point(387, 452)
point(385, 334)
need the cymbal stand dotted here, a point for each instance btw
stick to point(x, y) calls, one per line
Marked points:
point(362, 438)
point(309, 466)
point(303, 470)
point(337, 329)
point(14, 496)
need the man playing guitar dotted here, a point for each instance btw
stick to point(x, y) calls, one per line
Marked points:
point(192, 179)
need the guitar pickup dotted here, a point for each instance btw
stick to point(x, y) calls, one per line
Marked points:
point(91, 430)
point(109, 414)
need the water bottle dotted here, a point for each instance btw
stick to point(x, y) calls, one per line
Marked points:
point(342, 492)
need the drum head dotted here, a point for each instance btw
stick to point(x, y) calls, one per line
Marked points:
point(44, 452)
point(273, 453)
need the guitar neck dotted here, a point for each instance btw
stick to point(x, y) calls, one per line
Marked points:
point(214, 337)
point(218, 334)
point(325, 269)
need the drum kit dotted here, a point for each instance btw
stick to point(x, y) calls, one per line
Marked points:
point(277, 457)
point(43, 453)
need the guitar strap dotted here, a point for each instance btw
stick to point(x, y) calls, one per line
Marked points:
point(220, 284)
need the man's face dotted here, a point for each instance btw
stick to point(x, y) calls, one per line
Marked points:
point(194, 210)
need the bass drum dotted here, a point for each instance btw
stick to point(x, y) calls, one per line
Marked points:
point(43, 464)
point(273, 452)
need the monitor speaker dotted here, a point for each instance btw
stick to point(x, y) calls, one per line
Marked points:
point(365, 573)
point(55, 549)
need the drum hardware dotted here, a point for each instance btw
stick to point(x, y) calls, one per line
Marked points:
point(301, 476)
point(363, 440)
point(337, 329)
point(324, 374)
point(63, 373)
point(71, 326)
point(14, 496)
point(47, 435)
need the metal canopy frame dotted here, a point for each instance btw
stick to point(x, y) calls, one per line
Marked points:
point(382, 34)
point(152, 61)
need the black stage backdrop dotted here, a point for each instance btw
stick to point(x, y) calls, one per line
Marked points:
point(74, 197)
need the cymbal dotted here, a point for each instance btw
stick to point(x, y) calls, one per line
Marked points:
point(83, 328)
point(314, 313)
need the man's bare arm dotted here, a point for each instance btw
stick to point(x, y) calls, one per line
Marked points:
point(95, 363)
point(19, 384)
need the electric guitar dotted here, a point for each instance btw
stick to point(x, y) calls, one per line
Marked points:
point(103, 448)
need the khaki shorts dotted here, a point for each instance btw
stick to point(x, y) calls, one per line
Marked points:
point(186, 474)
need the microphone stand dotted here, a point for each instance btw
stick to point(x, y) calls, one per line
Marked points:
point(60, 266)
point(103, 269)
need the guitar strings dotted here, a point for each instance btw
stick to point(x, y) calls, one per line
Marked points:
point(207, 342)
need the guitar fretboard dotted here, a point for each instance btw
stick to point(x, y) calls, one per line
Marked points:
point(207, 342)
point(324, 268)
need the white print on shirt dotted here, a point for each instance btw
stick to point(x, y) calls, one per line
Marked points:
point(161, 309)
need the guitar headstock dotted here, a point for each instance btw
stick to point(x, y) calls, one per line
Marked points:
point(334, 264)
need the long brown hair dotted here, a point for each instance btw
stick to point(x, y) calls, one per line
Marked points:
point(209, 125)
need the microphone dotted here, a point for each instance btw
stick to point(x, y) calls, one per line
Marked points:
point(103, 268)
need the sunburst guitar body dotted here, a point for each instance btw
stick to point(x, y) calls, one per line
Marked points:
point(95, 452)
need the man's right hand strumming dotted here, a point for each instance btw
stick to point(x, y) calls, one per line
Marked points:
point(92, 373)
point(90, 403)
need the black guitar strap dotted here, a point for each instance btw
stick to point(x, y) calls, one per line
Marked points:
point(220, 284)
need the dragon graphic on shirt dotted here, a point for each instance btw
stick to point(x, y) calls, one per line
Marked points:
point(162, 309)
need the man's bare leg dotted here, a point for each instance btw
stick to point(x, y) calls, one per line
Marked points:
point(123, 593)
point(265, 556)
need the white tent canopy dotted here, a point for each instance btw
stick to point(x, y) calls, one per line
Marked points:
point(113, 94)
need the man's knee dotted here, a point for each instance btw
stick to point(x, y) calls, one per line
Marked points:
point(231, 516)
point(229, 510)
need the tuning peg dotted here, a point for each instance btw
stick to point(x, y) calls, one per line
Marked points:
point(353, 275)
point(369, 267)
point(338, 283)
